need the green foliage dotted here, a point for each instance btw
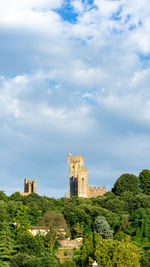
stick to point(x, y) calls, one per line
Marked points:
point(25, 260)
point(29, 244)
point(84, 216)
point(126, 182)
point(22, 216)
point(87, 249)
point(4, 264)
point(74, 216)
point(7, 244)
point(16, 197)
point(120, 235)
point(33, 261)
point(102, 227)
point(125, 225)
point(68, 263)
point(109, 253)
point(18, 259)
point(54, 222)
point(126, 209)
point(77, 257)
point(141, 222)
point(3, 211)
point(144, 178)
point(116, 205)
point(3, 196)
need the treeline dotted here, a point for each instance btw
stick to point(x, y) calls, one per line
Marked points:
point(115, 227)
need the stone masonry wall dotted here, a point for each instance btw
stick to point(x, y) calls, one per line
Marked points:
point(83, 182)
point(76, 243)
point(95, 192)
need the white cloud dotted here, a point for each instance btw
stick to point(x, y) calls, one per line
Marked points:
point(80, 86)
point(15, 101)
point(77, 5)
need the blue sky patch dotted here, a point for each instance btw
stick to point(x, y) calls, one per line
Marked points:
point(132, 27)
point(67, 13)
point(128, 17)
point(116, 16)
point(88, 2)
point(144, 57)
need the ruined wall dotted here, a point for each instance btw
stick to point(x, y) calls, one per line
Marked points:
point(76, 243)
point(66, 250)
point(96, 191)
point(29, 187)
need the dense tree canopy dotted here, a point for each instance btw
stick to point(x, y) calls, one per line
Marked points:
point(126, 182)
point(109, 253)
point(144, 178)
point(125, 212)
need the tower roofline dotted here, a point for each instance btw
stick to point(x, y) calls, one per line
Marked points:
point(75, 158)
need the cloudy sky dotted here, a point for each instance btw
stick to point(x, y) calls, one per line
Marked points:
point(74, 76)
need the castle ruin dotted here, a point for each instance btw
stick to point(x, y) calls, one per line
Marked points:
point(29, 187)
point(78, 179)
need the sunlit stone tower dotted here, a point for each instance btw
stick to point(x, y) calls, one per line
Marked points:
point(78, 179)
point(29, 187)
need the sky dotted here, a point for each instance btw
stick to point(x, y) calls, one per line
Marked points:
point(74, 77)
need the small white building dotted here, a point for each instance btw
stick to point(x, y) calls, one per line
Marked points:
point(38, 230)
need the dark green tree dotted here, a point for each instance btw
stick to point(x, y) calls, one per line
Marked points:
point(29, 244)
point(7, 244)
point(102, 227)
point(126, 182)
point(34, 261)
point(116, 205)
point(75, 215)
point(22, 216)
point(18, 259)
point(144, 178)
point(16, 197)
point(3, 196)
point(87, 249)
point(141, 222)
point(3, 211)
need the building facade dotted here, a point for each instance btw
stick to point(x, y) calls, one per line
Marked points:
point(78, 179)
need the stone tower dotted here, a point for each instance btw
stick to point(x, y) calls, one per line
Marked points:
point(29, 187)
point(78, 177)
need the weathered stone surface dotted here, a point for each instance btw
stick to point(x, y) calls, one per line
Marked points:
point(78, 179)
point(29, 187)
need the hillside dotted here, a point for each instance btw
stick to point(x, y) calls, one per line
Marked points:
point(125, 214)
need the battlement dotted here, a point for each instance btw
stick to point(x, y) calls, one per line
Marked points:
point(75, 158)
point(26, 181)
point(96, 191)
point(95, 188)
point(83, 168)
